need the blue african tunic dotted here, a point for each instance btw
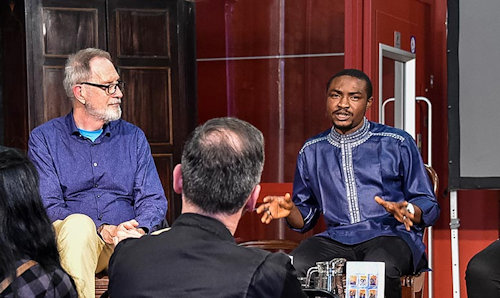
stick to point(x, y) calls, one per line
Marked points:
point(339, 176)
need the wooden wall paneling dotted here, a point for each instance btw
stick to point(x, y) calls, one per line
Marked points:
point(164, 163)
point(57, 102)
point(54, 29)
point(146, 46)
point(143, 33)
point(148, 101)
point(67, 29)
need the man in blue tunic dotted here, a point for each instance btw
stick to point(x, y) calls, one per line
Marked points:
point(369, 182)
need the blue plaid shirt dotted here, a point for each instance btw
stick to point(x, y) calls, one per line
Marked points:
point(112, 179)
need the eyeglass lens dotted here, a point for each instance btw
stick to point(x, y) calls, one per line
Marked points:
point(112, 87)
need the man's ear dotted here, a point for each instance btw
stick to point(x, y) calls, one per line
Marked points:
point(369, 102)
point(78, 93)
point(178, 179)
point(252, 199)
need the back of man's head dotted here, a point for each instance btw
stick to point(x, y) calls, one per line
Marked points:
point(222, 162)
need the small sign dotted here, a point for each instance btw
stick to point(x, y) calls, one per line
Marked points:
point(397, 39)
point(413, 45)
point(365, 279)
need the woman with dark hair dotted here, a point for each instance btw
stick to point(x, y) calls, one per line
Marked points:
point(29, 260)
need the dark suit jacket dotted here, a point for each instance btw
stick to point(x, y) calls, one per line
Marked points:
point(198, 257)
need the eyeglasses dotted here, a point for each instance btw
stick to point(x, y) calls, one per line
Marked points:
point(110, 89)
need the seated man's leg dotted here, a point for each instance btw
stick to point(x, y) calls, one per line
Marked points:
point(79, 247)
point(396, 255)
point(318, 249)
point(483, 273)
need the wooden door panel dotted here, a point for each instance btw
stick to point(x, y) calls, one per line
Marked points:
point(164, 163)
point(55, 29)
point(67, 29)
point(57, 102)
point(143, 33)
point(148, 101)
point(147, 44)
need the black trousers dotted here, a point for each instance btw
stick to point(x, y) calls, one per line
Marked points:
point(482, 276)
point(393, 251)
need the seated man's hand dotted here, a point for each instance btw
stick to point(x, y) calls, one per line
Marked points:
point(124, 234)
point(108, 232)
point(400, 212)
point(129, 225)
point(275, 207)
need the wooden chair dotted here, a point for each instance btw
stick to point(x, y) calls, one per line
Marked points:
point(413, 285)
point(101, 284)
point(272, 245)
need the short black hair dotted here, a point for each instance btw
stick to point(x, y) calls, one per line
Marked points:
point(222, 162)
point(356, 73)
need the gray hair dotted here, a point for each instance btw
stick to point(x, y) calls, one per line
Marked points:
point(222, 162)
point(77, 68)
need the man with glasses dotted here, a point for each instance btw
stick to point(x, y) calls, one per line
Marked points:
point(97, 175)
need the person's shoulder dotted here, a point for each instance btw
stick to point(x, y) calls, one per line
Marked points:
point(276, 277)
point(317, 139)
point(278, 258)
point(251, 251)
point(320, 136)
point(34, 282)
point(51, 125)
point(388, 132)
point(126, 128)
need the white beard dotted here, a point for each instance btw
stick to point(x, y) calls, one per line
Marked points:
point(107, 115)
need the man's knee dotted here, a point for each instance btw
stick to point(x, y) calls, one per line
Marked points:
point(76, 229)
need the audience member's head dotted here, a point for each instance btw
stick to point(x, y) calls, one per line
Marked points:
point(222, 163)
point(25, 229)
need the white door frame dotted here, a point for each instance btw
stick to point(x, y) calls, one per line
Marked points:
point(404, 86)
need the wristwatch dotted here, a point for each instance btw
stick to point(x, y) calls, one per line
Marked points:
point(410, 208)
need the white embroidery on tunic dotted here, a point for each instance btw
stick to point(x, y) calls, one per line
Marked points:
point(389, 134)
point(346, 145)
point(350, 182)
point(309, 143)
